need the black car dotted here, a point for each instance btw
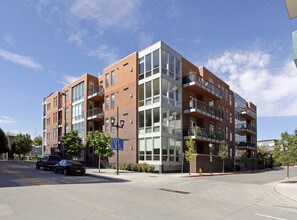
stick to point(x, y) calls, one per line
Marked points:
point(70, 167)
point(48, 162)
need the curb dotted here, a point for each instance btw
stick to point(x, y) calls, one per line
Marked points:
point(106, 177)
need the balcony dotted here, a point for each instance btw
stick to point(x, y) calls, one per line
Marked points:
point(199, 134)
point(96, 93)
point(245, 145)
point(248, 114)
point(198, 109)
point(95, 114)
point(245, 129)
point(60, 124)
point(197, 84)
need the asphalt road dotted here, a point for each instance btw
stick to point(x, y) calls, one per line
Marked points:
point(27, 193)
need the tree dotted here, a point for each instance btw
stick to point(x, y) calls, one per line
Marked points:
point(101, 144)
point(190, 153)
point(264, 156)
point(3, 142)
point(37, 141)
point(223, 152)
point(22, 144)
point(72, 143)
point(285, 151)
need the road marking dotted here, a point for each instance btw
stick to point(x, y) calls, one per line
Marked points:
point(268, 216)
point(35, 181)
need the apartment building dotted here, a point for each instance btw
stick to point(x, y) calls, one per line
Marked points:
point(164, 100)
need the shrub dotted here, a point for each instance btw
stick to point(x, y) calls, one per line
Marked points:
point(128, 166)
point(134, 167)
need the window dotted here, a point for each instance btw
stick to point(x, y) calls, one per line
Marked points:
point(156, 117)
point(149, 148)
point(66, 113)
point(230, 99)
point(177, 69)
point(79, 127)
point(156, 61)
point(141, 149)
point(55, 102)
point(78, 111)
point(112, 77)
point(141, 95)
point(107, 102)
point(156, 90)
point(171, 65)
point(148, 65)
point(227, 133)
point(148, 92)
point(157, 146)
point(55, 117)
point(78, 92)
point(148, 120)
point(48, 136)
point(48, 107)
point(141, 68)
point(164, 57)
point(141, 122)
point(107, 80)
point(106, 125)
point(231, 135)
point(112, 101)
point(230, 118)
point(55, 133)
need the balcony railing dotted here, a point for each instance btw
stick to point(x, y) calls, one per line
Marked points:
point(246, 128)
point(95, 113)
point(246, 112)
point(246, 145)
point(202, 134)
point(198, 106)
point(202, 83)
point(96, 90)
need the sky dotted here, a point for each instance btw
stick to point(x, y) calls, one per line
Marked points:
point(44, 45)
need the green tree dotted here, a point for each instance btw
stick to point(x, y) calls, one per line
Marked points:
point(285, 151)
point(37, 141)
point(72, 143)
point(22, 144)
point(3, 142)
point(190, 153)
point(223, 152)
point(264, 156)
point(101, 144)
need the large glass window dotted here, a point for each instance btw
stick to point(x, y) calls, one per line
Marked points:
point(141, 95)
point(171, 65)
point(157, 146)
point(148, 120)
point(164, 148)
point(79, 127)
point(112, 101)
point(141, 122)
point(177, 69)
point(148, 92)
point(78, 92)
point(149, 148)
point(77, 111)
point(106, 125)
point(164, 57)
point(141, 149)
point(148, 65)
point(141, 68)
point(156, 117)
point(156, 61)
point(156, 90)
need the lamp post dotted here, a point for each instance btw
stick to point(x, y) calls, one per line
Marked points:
point(117, 125)
point(210, 145)
point(285, 147)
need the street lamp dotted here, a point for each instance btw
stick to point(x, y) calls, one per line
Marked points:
point(210, 145)
point(285, 147)
point(117, 125)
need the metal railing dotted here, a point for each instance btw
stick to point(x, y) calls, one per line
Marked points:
point(247, 111)
point(203, 83)
point(246, 144)
point(94, 112)
point(206, 109)
point(96, 90)
point(244, 127)
point(202, 133)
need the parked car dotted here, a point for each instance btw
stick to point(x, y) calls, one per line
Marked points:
point(70, 167)
point(48, 162)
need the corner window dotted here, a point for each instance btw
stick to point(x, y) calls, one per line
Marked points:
point(156, 61)
point(148, 65)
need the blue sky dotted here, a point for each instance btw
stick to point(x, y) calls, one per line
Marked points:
point(46, 44)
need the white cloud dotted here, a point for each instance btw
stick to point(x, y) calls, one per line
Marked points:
point(19, 59)
point(67, 79)
point(104, 53)
point(6, 120)
point(107, 14)
point(145, 40)
point(8, 39)
point(249, 73)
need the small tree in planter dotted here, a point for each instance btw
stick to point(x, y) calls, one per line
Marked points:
point(101, 143)
point(223, 152)
point(190, 153)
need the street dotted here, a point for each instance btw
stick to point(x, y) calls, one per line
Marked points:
point(27, 193)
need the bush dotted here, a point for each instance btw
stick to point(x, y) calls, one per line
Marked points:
point(134, 167)
point(128, 166)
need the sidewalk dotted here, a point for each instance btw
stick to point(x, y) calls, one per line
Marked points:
point(287, 189)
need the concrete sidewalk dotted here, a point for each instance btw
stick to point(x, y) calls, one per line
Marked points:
point(287, 189)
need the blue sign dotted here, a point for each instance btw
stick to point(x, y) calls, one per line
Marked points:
point(114, 144)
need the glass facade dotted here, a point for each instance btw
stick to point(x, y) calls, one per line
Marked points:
point(78, 92)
